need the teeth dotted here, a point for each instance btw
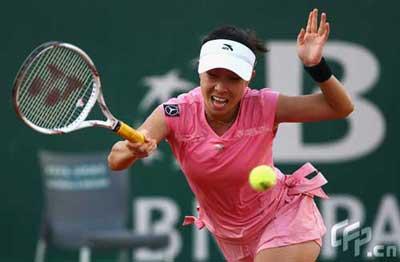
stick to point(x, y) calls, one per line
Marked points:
point(219, 99)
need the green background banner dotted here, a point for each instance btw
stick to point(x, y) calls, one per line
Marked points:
point(146, 52)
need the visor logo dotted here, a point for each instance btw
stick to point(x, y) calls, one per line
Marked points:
point(227, 47)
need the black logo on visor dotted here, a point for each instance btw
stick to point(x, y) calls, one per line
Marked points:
point(227, 47)
point(171, 109)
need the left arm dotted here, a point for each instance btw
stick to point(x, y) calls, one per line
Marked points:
point(333, 102)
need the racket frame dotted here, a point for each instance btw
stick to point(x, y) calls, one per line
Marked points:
point(97, 95)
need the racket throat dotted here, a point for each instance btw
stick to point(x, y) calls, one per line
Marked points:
point(116, 126)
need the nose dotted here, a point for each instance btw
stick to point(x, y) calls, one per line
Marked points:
point(220, 87)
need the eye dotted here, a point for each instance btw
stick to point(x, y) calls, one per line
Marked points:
point(234, 78)
point(211, 75)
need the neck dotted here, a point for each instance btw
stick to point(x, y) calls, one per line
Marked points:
point(223, 120)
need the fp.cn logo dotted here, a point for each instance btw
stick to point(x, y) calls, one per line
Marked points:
point(360, 236)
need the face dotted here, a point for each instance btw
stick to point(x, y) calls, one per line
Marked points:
point(222, 91)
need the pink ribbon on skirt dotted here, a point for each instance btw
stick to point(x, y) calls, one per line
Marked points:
point(294, 184)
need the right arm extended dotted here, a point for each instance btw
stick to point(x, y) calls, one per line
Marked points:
point(124, 153)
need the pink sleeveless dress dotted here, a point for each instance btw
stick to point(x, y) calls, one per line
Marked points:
point(242, 220)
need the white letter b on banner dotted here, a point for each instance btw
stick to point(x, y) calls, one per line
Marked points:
point(366, 127)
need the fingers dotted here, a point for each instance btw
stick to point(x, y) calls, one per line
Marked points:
point(141, 150)
point(308, 27)
point(300, 36)
point(327, 30)
point(152, 146)
point(312, 23)
point(144, 133)
point(314, 20)
point(322, 25)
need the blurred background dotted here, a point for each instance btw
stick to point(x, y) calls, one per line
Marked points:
point(146, 52)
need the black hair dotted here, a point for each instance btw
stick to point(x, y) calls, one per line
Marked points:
point(246, 37)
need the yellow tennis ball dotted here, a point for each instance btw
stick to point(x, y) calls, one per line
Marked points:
point(262, 178)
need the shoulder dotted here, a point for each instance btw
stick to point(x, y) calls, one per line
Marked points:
point(259, 106)
point(189, 98)
point(182, 103)
point(262, 95)
point(251, 93)
point(182, 112)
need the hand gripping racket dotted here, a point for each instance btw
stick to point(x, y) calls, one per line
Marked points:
point(56, 88)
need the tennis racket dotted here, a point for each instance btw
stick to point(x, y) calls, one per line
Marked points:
point(57, 87)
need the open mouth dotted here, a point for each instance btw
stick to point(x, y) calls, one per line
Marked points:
point(218, 102)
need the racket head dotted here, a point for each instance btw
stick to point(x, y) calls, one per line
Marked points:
point(55, 88)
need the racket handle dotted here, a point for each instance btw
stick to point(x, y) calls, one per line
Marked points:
point(129, 133)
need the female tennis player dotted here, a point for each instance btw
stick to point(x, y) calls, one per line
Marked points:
point(222, 129)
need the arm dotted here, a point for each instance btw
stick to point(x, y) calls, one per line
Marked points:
point(333, 102)
point(124, 153)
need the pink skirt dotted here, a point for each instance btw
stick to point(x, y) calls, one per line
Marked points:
point(296, 220)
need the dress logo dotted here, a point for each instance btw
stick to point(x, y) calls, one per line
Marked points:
point(219, 147)
point(171, 109)
point(252, 131)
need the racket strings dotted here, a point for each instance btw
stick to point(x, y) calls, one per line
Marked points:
point(60, 110)
point(56, 88)
point(37, 66)
point(41, 114)
point(70, 101)
point(36, 80)
point(80, 101)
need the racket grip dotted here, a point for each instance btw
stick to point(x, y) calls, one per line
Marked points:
point(129, 133)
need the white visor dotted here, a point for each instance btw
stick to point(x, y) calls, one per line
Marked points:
point(228, 54)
